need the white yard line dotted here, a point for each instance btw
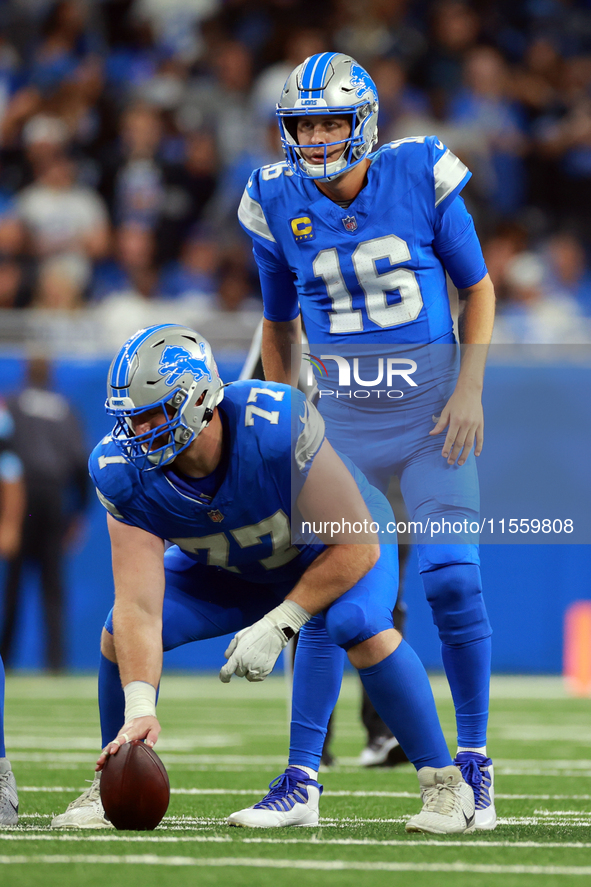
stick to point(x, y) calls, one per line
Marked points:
point(186, 823)
point(327, 794)
point(305, 864)
point(340, 842)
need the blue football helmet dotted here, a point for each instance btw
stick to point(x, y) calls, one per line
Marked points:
point(166, 367)
point(329, 83)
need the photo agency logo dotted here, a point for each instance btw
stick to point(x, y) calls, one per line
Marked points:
point(391, 376)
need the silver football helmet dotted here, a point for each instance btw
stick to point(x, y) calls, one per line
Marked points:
point(169, 367)
point(329, 83)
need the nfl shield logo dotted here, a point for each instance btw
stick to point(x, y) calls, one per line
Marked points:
point(350, 223)
point(216, 515)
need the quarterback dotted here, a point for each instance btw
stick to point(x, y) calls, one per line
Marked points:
point(357, 243)
point(213, 470)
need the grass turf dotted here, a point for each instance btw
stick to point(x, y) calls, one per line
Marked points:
point(223, 744)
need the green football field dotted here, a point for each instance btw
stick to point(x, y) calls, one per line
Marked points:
point(222, 744)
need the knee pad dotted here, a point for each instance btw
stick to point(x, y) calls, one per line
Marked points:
point(348, 623)
point(455, 595)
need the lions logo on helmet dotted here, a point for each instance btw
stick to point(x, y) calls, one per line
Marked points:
point(175, 361)
point(362, 83)
point(329, 83)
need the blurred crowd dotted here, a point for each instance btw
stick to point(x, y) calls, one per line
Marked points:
point(128, 129)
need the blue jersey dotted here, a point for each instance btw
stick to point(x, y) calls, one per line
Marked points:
point(376, 270)
point(246, 527)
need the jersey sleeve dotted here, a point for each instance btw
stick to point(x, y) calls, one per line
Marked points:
point(113, 487)
point(280, 296)
point(308, 432)
point(251, 215)
point(449, 175)
point(457, 244)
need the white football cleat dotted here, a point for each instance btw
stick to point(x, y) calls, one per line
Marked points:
point(478, 771)
point(8, 795)
point(448, 803)
point(293, 800)
point(86, 811)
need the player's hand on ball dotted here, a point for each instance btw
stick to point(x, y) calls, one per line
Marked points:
point(253, 651)
point(146, 728)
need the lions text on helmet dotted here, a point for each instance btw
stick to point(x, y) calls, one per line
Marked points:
point(165, 371)
point(331, 103)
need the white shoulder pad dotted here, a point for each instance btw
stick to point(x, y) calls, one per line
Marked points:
point(311, 436)
point(253, 218)
point(449, 172)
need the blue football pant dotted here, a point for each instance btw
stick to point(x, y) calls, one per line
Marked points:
point(398, 442)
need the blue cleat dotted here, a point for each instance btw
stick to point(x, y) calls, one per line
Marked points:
point(293, 800)
point(478, 772)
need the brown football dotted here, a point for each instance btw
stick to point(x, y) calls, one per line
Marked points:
point(135, 790)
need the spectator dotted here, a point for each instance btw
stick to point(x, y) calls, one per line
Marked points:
point(454, 31)
point(65, 219)
point(223, 102)
point(196, 271)
point(377, 28)
point(483, 104)
point(188, 190)
point(67, 37)
point(533, 316)
point(398, 99)
point(16, 268)
point(61, 282)
point(48, 440)
point(133, 180)
point(133, 269)
point(569, 271)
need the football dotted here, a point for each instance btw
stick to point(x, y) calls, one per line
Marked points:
point(135, 790)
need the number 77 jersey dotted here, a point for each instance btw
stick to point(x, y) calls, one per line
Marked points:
point(271, 437)
point(371, 270)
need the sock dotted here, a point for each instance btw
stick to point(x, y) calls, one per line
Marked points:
point(111, 700)
point(313, 774)
point(478, 751)
point(317, 676)
point(2, 746)
point(399, 688)
point(467, 667)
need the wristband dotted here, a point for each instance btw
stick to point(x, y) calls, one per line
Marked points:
point(289, 618)
point(140, 700)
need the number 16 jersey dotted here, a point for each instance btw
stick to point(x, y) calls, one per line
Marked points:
point(374, 270)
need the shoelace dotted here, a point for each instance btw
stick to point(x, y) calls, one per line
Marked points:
point(477, 780)
point(92, 793)
point(285, 786)
point(440, 799)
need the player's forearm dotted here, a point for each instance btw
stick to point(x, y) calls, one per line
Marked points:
point(138, 643)
point(333, 573)
point(476, 326)
point(276, 349)
point(138, 573)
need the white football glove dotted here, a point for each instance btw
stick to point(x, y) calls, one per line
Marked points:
point(253, 652)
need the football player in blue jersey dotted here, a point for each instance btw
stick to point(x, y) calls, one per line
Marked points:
point(12, 506)
point(358, 245)
point(213, 470)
